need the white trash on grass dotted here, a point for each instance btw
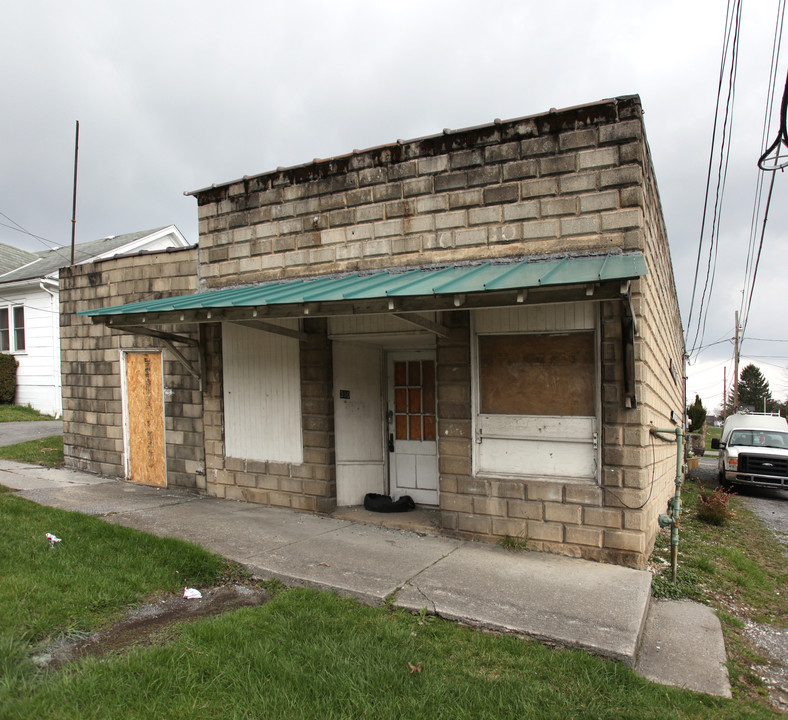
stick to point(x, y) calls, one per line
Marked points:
point(53, 539)
point(191, 594)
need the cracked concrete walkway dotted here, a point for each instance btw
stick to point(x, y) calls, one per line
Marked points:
point(576, 603)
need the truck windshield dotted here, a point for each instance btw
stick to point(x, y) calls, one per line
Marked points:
point(759, 438)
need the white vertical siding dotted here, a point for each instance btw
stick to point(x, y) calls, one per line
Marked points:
point(371, 324)
point(262, 395)
point(537, 318)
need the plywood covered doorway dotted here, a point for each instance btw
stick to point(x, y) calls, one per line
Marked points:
point(146, 455)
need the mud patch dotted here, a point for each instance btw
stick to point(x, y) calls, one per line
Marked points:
point(150, 624)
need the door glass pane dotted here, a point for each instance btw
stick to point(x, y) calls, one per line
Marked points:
point(415, 427)
point(400, 373)
point(428, 375)
point(414, 400)
point(414, 373)
point(401, 425)
point(429, 427)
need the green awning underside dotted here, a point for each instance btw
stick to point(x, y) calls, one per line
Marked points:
point(439, 281)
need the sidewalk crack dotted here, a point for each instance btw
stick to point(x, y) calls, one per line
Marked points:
point(392, 597)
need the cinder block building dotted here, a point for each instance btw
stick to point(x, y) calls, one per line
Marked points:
point(485, 320)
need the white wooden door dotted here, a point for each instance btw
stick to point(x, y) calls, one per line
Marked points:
point(412, 426)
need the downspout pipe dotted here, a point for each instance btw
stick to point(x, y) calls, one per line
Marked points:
point(51, 287)
point(671, 518)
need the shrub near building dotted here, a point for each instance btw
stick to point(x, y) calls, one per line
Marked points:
point(8, 366)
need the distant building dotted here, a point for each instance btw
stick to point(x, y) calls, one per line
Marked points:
point(29, 307)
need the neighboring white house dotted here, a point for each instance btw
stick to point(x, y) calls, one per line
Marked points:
point(29, 306)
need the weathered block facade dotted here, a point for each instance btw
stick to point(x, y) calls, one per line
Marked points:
point(94, 406)
point(446, 393)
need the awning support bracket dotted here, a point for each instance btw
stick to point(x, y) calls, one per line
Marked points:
point(422, 322)
point(275, 329)
point(169, 339)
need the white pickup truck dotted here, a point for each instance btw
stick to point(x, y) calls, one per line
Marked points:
point(753, 450)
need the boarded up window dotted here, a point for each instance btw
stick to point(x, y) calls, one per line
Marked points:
point(537, 374)
point(262, 395)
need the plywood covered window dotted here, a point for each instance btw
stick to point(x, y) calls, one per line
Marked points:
point(536, 392)
point(537, 374)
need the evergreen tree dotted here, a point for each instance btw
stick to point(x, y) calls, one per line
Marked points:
point(754, 389)
point(697, 415)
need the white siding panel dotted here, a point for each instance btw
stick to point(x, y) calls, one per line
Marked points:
point(358, 422)
point(536, 318)
point(262, 395)
point(38, 374)
point(371, 324)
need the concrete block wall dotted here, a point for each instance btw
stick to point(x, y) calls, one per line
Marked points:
point(310, 485)
point(569, 181)
point(607, 521)
point(572, 181)
point(91, 365)
point(660, 350)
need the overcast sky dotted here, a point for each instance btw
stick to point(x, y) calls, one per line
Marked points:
point(175, 96)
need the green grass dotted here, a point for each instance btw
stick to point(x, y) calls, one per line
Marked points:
point(97, 570)
point(738, 569)
point(19, 413)
point(712, 432)
point(44, 451)
point(307, 654)
point(304, 654)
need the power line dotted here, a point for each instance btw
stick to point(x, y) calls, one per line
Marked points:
point(49, 244)
point(730, 35)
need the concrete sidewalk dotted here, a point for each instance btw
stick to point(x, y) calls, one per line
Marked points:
point(605, 609)
point(17, 432)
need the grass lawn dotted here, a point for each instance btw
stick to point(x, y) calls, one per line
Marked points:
point(19, 413)
point(712, 432)
point(739, 570)
point(304, 654)
point(44, 451)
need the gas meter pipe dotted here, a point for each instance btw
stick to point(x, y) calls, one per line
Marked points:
point(671, 518)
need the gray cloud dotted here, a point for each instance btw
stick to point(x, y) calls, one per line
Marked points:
point(173, 96)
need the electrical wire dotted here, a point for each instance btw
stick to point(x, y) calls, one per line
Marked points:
point(49, 244)
point(731, 39)
point(651, 487)
point(726, 36)
point(780, 140)
point(751, 270)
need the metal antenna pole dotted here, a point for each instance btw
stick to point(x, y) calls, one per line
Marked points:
point(736, 367)
point(74, 206)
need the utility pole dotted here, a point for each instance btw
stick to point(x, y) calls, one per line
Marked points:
point(736, 367)
point(724, 392)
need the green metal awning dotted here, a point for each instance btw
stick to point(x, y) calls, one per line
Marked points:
point(403, 290)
